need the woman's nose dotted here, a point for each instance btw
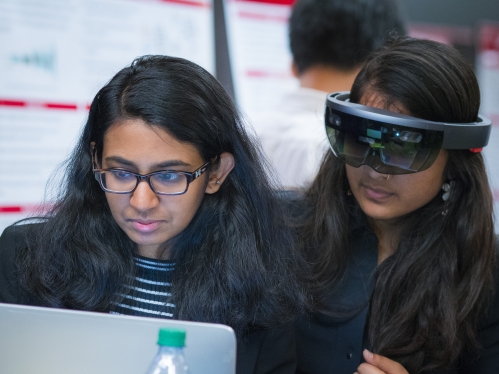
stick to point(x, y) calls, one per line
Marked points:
point(144, 198)
point(373, 174)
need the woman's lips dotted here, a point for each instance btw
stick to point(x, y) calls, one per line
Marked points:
point(376, 193)
point(145, 226)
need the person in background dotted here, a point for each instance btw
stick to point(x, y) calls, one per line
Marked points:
point(398, 224)
point(329, 42)
point(165, 212)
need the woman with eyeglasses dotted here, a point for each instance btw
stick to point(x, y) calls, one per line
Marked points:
point(165, 212)
point(398, 223)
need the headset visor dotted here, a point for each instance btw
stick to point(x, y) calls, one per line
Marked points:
point(387, 148)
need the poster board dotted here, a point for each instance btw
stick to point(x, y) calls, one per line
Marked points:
point(487, 69)
point(257, 37)
point(54, 57)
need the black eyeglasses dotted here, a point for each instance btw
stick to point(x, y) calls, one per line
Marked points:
point(162, 182)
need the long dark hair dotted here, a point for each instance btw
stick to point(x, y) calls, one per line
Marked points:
point(234, 263)
point(429, 295)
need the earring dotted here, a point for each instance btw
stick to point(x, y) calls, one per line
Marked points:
point(349, 192)
point(217, 182)
point(447, 188)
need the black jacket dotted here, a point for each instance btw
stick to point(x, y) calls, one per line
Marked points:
point(334, 345)
point(261, 352)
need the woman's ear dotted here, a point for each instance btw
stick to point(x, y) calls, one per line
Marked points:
point(218, 175)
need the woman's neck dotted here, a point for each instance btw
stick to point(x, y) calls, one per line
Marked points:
point(388, 233)
point(155, 252)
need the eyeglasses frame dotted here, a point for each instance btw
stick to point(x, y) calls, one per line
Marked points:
point(191, 176)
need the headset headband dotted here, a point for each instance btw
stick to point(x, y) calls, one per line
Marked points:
point(473, 136)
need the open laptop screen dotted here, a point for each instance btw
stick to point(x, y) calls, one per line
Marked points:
point(55, 341)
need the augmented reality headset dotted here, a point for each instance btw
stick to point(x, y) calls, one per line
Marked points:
point(393, 143)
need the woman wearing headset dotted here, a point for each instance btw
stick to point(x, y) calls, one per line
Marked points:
point(398, 223)
point(165, 212)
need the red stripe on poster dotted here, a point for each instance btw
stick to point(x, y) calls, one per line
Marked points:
point(191, 3)
point(10, 209)
point(273, 2)
point(267, 74)
point(38, 104)
point(15, 103)
point(260, 16)
point(29, 208)
point(489, 37)
point(60, 106)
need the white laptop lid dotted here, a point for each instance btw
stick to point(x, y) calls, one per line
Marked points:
point(55, 341)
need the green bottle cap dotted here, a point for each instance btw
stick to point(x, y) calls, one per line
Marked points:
point(171, 337)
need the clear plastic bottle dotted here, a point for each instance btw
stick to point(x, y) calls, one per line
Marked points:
point(170, 357)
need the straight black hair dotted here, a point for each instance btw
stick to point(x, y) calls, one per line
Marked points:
point(234, 263)
point(429, 295)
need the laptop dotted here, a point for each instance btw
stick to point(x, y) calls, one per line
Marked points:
point(55, 341)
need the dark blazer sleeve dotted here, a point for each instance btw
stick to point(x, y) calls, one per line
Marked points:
point(270, 351)
point(12, 240)
point(486, 360)
point(488, 335)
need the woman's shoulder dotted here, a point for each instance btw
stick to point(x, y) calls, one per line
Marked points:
point(13, 239)
point(492, 315)
point(495, 302)
point(488, 332)
point(17, 236)
point(271, 350)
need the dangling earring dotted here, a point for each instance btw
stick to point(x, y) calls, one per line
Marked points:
point(447, 188)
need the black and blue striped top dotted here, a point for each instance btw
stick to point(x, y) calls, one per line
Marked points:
point(150, 294)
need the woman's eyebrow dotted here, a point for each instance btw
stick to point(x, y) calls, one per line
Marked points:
point(168, 164)
point(162, 165)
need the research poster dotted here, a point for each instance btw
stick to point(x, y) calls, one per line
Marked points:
point(259, 53)
point(54, 57)
point(487, 69)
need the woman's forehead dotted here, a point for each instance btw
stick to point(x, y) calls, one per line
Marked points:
point(379, 100)
point(136, 140)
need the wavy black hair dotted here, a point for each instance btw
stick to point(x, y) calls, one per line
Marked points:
point(234, 263)
point(430, 294)
point(341, 33)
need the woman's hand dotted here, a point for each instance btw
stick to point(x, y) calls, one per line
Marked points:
point(376, 364)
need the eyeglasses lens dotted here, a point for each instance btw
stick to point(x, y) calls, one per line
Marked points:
point(118, 180)
point(124, 181)
point(169, 183)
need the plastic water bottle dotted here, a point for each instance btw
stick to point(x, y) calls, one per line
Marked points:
point(170, 357)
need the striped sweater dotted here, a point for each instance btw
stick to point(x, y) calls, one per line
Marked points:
point(151, 292)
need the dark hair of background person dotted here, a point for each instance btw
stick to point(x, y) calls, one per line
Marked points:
point(340, 33)
point(234, 263)
point(430, 293)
